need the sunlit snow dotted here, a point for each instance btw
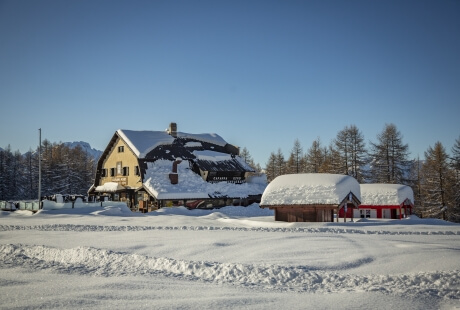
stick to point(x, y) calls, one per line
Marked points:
point(105, 256)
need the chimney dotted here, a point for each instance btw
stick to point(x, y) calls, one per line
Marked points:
point(173, 176)
point(172, 130)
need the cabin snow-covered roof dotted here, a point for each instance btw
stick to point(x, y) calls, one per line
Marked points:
point(143, 142)
point(385, 194)
point(309, 188)
point(192, 185)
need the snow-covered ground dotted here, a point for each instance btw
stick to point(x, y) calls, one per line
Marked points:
point(234, 257)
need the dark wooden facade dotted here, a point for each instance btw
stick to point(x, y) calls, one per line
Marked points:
point(304, 213)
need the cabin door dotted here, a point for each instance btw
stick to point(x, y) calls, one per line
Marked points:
point(386, 213)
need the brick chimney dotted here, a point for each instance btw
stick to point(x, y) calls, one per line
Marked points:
point(173, 176)
point(172, 130)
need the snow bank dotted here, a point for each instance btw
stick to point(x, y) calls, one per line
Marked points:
point(109, 187)
point(385, 194)
point(252, 210)
point(309, 188)
point(99, 262)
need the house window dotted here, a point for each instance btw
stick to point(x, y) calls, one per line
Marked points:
point(125, 171)
point(137, 171)
point(104, 173)
point(112, 172)
point(121, 149)
point(119, 168)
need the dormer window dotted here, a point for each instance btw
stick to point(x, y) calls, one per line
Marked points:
point(121, 149)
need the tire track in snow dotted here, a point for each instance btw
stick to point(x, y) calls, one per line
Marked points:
point(332, 230)
point(99, 262)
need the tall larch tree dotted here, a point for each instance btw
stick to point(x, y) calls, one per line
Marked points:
point(280, 163)
point(389, 157)
point(314, 157)
point(270, 167)
point(295, 161)
point(455, 164)
point(352, 149)
point(437, 180)
point(246, 156)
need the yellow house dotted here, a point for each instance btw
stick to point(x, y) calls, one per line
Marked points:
point(153, 169)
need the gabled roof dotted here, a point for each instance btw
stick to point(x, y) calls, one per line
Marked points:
point(386, 194)
point(143, 143)
point(310, 189)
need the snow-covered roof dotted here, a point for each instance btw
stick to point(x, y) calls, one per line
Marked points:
point(309, 188)
point(385, 194)
point(205, 137)
point(109, 187)
point(142, 142)
point(192, 185)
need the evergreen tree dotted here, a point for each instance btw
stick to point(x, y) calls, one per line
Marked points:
point(437, 178)
point(389, 157)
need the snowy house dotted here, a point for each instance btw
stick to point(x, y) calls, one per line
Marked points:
point(392, 201)
point(153, 169)
point(310, 197)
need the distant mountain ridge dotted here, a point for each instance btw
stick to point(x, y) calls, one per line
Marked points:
point(86, 147)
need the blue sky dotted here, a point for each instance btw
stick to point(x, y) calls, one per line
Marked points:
point(259, 73)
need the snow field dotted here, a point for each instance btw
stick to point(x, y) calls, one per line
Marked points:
point(233, 257)
point(99, 262)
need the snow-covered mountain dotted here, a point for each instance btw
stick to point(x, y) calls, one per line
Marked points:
point(85, 146)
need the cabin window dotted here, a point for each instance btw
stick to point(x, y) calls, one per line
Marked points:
point(112, 172)
point(137, 171)
point(104, 173)
point(121, 149)
point(119, 168)
point(125, 171)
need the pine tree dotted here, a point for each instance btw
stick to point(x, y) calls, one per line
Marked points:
point(437, 182)
point(389, 157)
